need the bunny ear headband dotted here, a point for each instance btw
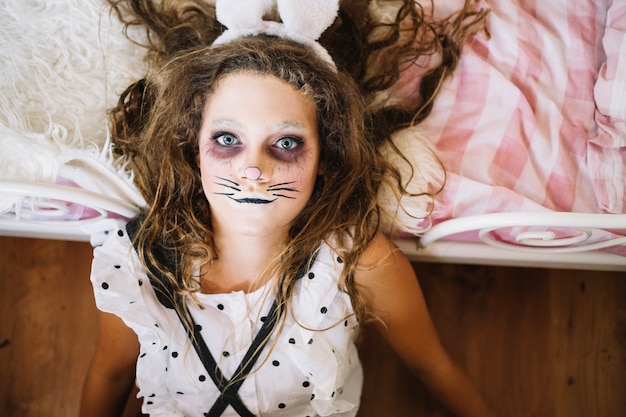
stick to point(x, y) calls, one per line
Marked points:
point(303, 21)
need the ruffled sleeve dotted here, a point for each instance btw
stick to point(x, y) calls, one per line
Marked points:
point(122, 287)
point(119, 282)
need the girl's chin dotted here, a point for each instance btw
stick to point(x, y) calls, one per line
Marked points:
point(253, 227)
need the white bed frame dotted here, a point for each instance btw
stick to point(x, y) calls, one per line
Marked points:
point(533, 249)
point(53, 201)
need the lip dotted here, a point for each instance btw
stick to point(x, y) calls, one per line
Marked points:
point(250, 200)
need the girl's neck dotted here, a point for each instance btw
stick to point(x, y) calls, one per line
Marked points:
point(242, 263)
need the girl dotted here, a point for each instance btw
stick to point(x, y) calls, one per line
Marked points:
point(241, 288)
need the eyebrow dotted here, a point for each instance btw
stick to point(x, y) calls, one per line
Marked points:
point(224, 122)
point(286, 125)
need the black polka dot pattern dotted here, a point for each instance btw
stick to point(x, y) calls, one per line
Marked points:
point(325, 309)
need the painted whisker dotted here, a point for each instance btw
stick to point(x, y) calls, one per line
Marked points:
point(234, 186)
point(281, 187)
point(284, 196)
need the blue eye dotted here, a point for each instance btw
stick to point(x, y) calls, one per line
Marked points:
point(288, 143)
point(226, 139)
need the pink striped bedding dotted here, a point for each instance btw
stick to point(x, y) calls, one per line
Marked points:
point(534, 117)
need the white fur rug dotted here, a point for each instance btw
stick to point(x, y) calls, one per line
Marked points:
point(62, 63)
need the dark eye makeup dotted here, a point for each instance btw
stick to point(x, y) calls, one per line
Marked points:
point(225, 139)
point(289, 143)
point(226, 144)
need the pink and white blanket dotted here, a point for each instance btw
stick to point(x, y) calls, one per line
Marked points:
point(534, 118)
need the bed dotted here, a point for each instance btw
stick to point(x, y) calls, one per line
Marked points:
point(531, 129)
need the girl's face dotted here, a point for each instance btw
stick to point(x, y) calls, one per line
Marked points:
point(259, 154)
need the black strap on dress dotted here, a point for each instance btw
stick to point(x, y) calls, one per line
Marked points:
point(228, 391)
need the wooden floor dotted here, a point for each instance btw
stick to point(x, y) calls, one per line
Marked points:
point(538, 342)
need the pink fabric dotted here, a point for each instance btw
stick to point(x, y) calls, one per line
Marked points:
point(534, 118)
point(517, 125)
point(607, 151)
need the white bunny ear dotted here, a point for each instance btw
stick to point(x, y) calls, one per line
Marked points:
point(308, 18)
point(242, 14)
point(303, 21)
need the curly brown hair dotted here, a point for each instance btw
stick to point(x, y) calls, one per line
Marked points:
point(158, 118)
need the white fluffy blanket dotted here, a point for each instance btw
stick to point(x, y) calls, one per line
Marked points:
point(63, 63)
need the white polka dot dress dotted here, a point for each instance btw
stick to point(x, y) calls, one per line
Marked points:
point(310, 369)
